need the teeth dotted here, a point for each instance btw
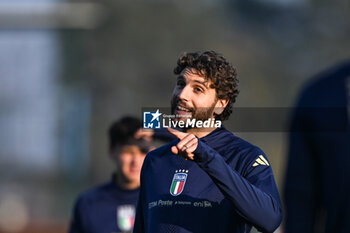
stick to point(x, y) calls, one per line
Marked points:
point(182, 108)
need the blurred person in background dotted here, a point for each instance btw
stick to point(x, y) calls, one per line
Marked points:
point(208, 180)
point(317, 190)
point(111, 206)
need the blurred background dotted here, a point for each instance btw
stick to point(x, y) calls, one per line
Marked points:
point(69, 68)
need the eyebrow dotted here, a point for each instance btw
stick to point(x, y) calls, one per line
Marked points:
point(204, 83)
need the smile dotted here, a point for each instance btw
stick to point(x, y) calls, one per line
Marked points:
point(183, 109)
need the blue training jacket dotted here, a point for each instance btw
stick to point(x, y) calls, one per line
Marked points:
point(229, 188)
point(105, 209)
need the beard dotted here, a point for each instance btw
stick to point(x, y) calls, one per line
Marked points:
point(200, 114)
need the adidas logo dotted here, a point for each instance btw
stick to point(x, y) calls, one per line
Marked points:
point(261, 161)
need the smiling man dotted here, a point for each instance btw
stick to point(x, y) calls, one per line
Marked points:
point(208, 180)
point(194, 99)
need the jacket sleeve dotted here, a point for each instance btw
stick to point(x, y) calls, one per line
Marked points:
point(255, 197)
point(76, 225)
point(302, 180)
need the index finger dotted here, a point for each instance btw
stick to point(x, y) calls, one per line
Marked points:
point(180, 135)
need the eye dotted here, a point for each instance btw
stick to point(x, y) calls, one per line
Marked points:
point(198, 89)
point(181, 83)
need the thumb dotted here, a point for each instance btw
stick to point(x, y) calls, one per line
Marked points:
point(174, 150)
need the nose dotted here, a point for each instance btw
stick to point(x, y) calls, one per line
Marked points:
point(137, 159)
point(134, 159)
point(184, 93)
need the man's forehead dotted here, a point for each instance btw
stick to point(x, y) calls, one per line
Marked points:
point(135, 146)
point(194, 75)
point(129, 148)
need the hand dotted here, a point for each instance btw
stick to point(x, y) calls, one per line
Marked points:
point(187, 145)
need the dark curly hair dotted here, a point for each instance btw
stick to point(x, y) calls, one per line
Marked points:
point(215, 68)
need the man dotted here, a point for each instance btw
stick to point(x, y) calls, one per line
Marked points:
point(111, 207)
point(317, 194)
point(208, 180)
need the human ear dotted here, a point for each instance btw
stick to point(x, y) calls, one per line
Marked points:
point(220, 106)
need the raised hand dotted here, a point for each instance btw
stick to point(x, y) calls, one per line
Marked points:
point(187, 145)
